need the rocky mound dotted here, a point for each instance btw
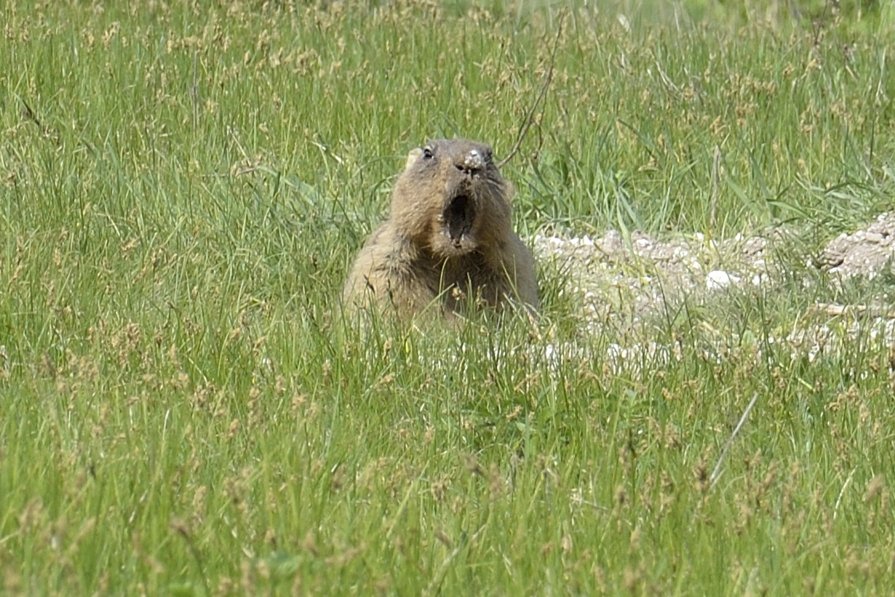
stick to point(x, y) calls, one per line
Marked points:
point(866, 252)
point(620, 278)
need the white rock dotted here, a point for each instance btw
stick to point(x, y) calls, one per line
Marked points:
point(718, 279)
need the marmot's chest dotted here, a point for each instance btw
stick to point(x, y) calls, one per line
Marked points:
point(455, 277)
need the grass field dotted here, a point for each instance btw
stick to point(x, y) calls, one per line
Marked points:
point(183, 409)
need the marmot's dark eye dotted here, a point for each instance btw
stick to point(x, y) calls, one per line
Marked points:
point(428, 154)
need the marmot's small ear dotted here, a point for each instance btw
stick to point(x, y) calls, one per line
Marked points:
point(413, 156)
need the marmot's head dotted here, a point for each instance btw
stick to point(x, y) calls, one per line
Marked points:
point(451, 199)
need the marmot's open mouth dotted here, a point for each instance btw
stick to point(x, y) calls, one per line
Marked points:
point(458, 217)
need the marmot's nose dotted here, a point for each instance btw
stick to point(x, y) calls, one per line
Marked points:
point(472, 162)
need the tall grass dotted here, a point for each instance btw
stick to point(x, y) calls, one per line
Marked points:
point(184, 409)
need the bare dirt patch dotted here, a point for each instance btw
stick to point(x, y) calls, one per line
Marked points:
point(866, 252)
point(612, 275)
point(628, 279)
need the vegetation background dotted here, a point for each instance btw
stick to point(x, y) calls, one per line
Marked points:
point(184, 410)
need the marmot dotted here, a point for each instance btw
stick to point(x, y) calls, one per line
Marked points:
point(448, 241)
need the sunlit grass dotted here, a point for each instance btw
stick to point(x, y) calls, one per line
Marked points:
point(184, 409)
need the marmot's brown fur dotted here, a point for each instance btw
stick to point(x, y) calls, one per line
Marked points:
point(448, 241)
